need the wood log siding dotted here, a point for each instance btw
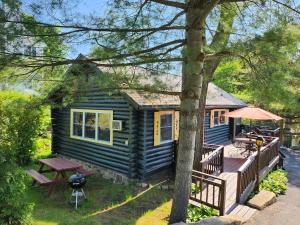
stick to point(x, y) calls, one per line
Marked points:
point(120, 157)
point(247, 172)
point(213, 159)
point(209, 191)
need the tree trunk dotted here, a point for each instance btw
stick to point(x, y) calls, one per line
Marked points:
point(219, 43)
point(191, 90)
point(200, 131)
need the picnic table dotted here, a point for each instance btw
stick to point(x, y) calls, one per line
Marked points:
point(59, 166)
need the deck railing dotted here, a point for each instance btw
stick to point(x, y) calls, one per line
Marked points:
point(213, 162)
point(208, 190)
point(247, 178)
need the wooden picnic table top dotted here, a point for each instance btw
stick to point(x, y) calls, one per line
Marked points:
point(60, 164)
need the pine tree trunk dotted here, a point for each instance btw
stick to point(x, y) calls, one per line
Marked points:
point(200, 131)
point(191, 90)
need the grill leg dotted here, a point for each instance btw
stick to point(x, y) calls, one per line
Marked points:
point(76, 200)
point(83, 193)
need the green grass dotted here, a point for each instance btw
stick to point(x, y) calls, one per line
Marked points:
point(107, 203)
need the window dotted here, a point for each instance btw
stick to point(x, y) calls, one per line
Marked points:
point(77, 123)
point(104, 126)
point(218, 118)
point(166, 126)
point(222, 117)
point(92, 125)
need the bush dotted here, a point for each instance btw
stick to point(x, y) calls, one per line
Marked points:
point(14, 210)
point(195, 214)
point(19, 124)
point(275, 182)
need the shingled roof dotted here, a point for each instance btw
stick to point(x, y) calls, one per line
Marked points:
point(216, 97)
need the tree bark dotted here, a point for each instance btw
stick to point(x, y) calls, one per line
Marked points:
point(192, 79)
point(219, 43)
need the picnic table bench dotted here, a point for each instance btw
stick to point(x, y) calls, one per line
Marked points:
point(38, 177)
point(59, 166)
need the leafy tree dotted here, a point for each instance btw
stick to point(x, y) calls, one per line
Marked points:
point(19, 125)
point(274, 83)
point(14, 210)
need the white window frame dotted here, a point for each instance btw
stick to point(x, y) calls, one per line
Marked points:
point(172, 126)
point(97, 112)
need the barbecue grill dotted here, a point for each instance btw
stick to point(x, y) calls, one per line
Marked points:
point(77, 182)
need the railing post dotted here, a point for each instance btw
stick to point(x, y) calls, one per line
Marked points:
point(223, 197)
point(238, 187)
point(222, 160)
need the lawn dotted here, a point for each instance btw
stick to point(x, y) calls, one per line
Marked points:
point(107, 203)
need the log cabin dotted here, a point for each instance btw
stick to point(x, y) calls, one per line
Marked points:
point(131, 132)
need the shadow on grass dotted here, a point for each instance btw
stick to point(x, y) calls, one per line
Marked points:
point(107, 203)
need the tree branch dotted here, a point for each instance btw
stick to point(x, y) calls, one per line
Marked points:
point(171, 3)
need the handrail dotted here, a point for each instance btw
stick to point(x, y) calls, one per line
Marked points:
point(214, 162)
point(247, 172)
point(210, 191)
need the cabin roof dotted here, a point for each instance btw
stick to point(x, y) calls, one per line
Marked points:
point(216, 97)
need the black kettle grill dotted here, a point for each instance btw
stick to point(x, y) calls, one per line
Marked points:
point(77, 182)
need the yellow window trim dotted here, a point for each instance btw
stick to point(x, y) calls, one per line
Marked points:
point(212, 117)
point(110, 112)
point(175, 127)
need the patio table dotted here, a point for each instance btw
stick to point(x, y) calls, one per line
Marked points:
point(249, 143)
point(59, 166)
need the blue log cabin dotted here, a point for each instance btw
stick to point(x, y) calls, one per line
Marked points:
point(132, 132)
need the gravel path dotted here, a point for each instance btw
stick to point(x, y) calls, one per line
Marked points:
point(286, 211)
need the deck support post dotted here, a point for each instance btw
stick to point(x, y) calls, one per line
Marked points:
point(257, 168)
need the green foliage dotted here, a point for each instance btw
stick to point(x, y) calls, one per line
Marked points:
point(195, 189)
point(14, 210)
point(275, 182)
point(195, 214)
point(269, 77)
point(19, 124)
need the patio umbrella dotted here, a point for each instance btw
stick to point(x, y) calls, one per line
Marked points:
point(253, 113)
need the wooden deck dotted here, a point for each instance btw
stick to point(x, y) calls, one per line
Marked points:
point(228, 191)
point(231, 166)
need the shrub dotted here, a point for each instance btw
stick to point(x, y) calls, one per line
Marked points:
point(275, 182)
point(195, 214)
point(19, 124)
point(14, 210)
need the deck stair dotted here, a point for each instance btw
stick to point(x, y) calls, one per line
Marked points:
point(231, 207)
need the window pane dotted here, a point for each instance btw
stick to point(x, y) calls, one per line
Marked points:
point(77, 123)
point(222, 117)
point(216, 118)
point(166, 127)
point(90, 123)
point(104, 122)
point(166, 120)
point(166, 133)
point(77, 130)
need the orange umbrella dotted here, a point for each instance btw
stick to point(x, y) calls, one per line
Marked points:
point(253, 113)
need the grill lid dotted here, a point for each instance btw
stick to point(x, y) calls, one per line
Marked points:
point(77, 180)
